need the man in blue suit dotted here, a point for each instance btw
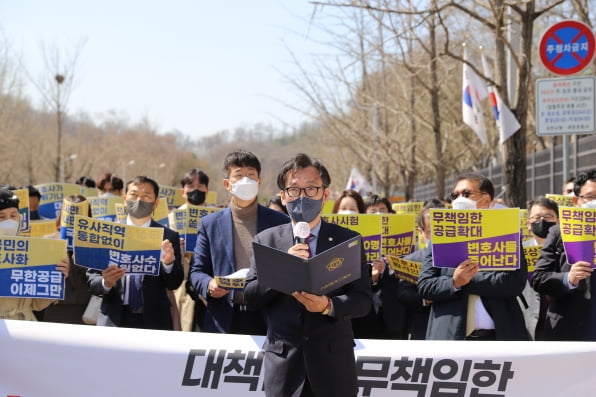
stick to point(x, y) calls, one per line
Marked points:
point(224, 245)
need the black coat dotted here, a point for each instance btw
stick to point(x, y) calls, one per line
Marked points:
point(498, 291)
point(300, 342)
point(567, 314)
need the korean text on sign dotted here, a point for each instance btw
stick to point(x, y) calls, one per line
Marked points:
point(405, 269)
point(490, 237)
point(398, 236)
point(194, 214)
point(369, 227)
point(578, 231)
point(99, 244)
point(28, 267)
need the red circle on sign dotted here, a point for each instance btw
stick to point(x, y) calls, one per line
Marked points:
point(556, 64)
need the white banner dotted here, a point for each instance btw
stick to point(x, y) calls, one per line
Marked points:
point(57, 360)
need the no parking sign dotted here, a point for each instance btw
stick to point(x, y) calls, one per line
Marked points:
point(567, 47)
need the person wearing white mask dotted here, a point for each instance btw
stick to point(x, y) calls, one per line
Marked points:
point(348, 203)
point(371, 326)
point(377, 205)
point(469, 304)
point(571, 313)
point(20, 308)
point(224, 245)
point(110, 185)
point(472, 193)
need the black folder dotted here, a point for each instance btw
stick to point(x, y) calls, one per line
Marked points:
point(320, 274)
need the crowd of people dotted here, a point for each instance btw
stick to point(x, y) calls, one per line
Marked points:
point(309, 335)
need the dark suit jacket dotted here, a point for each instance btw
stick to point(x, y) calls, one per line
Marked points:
point(156, 306)
point(567, 315)
point(498, 291)
point(76, 297)
point(300, 342)
point(394, 313)
point(214, 256)
point(407, 295)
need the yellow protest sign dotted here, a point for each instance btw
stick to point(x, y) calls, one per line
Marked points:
point(369, 227)
point(104, 207)
point(23, 196)
point(532, 254)
point(171, 195)
point(28, 267)
point(489, 237)
point(160, 213)
point(52, 195)
point(578, 231)
point(98, 244)
point(561, 200)
point(89, 191)
point(523, 226)
point(398, 237)
point(67, 216)
point(194, 214)
point(328, 207)
point(211, 198)
point(405, 269)
point(413, 207)
point(41, 227)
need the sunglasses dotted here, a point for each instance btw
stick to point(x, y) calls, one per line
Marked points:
point(464, 193)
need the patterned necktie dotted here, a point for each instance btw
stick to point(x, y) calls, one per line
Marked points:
point(308, 240)
point(135, 291)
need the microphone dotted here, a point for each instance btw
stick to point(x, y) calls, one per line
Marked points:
point(301, 232)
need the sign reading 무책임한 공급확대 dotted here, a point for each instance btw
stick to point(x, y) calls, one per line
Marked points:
point(490, 237)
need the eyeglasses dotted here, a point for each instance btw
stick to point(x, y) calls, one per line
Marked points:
point(587, 198)
point(310, 191)
point(465, 193)
point(548, 217)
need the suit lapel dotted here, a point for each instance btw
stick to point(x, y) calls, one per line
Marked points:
point(261, 219)
point(226, 228)
point(285, 238)
point(325, 239)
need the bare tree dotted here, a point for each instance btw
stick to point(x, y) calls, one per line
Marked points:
point(55, 86)
point(484, 18)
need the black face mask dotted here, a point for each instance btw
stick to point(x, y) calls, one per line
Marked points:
point(541, 227)
point(196, 197)
point(304, 209)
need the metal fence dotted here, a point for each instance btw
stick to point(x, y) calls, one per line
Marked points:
point(544, 172)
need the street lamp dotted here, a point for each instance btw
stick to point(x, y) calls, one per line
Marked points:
point(58, 101)
point(131, 162)
point(156, 168)
point(68, 165)
point(374, 121)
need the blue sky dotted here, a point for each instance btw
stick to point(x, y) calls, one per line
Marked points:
point(196, 66)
